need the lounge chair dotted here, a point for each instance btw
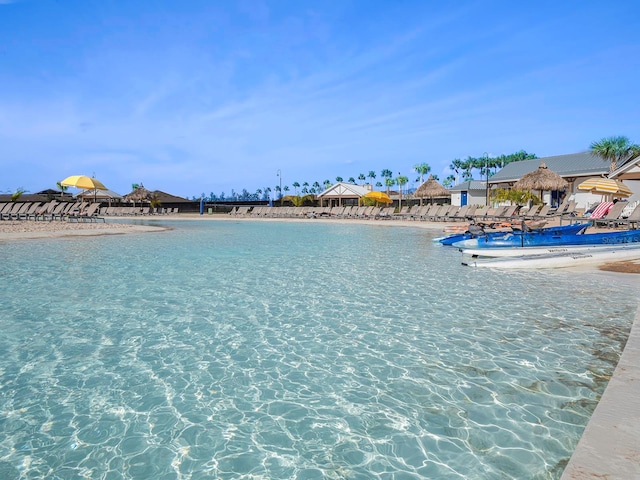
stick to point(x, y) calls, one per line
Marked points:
point(22, 211)
point(532, 212)
point(481, 213)
point(47, 213)
point(601, 210)
point(543, 213)
point(88, 214)
point(448, 215)
point(510, 212)
point(570, 210)
point(10, 210)
point(30, 212)
point(610, 218)
point(632, 220)
point(428, 211)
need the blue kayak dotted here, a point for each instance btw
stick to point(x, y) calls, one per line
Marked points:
point(534, 239)
point(459, 237)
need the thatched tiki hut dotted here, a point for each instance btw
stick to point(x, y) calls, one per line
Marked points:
point(431, 189)
point(541, 179)
point(140, 194)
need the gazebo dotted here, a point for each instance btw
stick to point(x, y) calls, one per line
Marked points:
point(343, 191)
point(431, 189)
point(541, 179)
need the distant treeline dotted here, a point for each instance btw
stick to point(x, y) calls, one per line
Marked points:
point(463, 170)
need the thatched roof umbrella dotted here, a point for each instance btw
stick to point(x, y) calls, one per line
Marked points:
point(541, 179)
point(140, 194)
point(431, 188)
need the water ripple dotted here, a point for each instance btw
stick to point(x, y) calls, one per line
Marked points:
point(294, 351)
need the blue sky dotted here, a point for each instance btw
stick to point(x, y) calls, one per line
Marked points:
point(194, 97)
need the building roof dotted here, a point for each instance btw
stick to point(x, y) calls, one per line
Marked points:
point(165, 197)
point(344, 190)
point(572, 165)
point(629, 170)
point(469, 185)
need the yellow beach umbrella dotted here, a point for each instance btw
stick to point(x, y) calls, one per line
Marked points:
point(378, 197)
point(605, 186)
point(84, 182)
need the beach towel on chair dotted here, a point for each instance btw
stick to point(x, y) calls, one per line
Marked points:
point(601, 210)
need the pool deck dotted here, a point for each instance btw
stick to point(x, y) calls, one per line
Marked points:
point(610, 445)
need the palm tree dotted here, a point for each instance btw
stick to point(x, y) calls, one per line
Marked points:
point(401, 180)
point(352, 180)
point(372, 176)
point(615, 150)
point(326, 183)
point(296, 185)
point(386, 173)
point(316, 186)
point(389, 182)
point(362, 177)
point(448, 182)
point(422, 169)
point(17, 194)
point(339, 179)
point(456, 166)
point(63, 188)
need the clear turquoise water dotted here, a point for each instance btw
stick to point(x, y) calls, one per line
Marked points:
point(294, 351)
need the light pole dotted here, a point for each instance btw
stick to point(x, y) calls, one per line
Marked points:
point(279, 174)
point(486, 156)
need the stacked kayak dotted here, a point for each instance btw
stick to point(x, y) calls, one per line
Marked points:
point(477, 239)
point(533, 239)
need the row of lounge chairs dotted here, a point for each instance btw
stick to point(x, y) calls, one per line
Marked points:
point(53, 210)
point(447, 213)
point(72, 211)
point(134, 211)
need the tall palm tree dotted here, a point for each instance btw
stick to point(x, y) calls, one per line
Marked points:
point(389, 182)
point(467, 166)
point(422, 169)
point(63, 188)
point(362, 177)
point(386, 173)
point(449, 181)
point(456, 166)
point(296, 185)
point(372, 176)
point(615, 150)
point(401, 181)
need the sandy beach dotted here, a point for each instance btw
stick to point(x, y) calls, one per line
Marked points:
point(23, 230)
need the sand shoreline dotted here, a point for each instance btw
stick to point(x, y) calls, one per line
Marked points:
point(26, 230)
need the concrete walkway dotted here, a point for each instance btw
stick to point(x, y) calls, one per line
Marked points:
point(610, 445)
